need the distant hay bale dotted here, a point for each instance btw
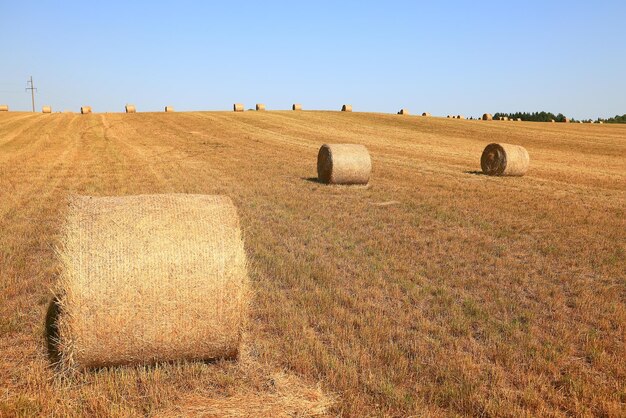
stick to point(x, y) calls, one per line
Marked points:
point(296, 106)
point(46, 109)
point(460, 117)
point(238, 107)
point(504, 160)
point(85, 109)
point(260, 107)
point(130, 108)
point(150, 278)
point(600, 122)
point(343, 164)
point(426, 114)
point(552, 121)
point(346, 108)
point(449, 116)
point(519, 119)
point(565, 120)
point(403, 111)
point(4, 108)
point(487, 116)
point(169, 108)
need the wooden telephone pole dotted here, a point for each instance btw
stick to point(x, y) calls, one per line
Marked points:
point(32, 90)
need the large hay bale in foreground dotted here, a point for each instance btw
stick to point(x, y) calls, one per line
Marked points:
point(260, 107)
point(130, 108)
point(85, 109)
point(169, 108)
point(4, 108)
point(46, 109)
point(487, 116)
point(504, 160)
point(346, 108)
point(343, 164)
point(150, 278)
point(238, 107)
point(296, 106)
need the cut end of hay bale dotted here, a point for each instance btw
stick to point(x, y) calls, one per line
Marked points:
point(238, 107)
point(487, 116)
point(4, 108)
point(296, 106)
point(150, 278)
point(346, 108)
point(169, 108)
point(504, 160)
point(130, 108)
point(46, 109)
point(260, 107)
point(343, 164)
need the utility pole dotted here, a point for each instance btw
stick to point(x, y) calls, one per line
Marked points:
point(32, 90)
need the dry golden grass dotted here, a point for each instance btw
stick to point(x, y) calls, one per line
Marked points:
point(434, 291)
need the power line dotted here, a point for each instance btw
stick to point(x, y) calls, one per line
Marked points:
point(32, 90)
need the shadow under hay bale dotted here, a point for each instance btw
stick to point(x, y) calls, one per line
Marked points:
point(51, 330)
point(343, 164)
point(150, 278)
point(504, 160)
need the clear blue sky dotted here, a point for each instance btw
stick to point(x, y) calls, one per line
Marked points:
point(465, 57)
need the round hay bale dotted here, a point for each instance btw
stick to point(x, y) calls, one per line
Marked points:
point(487, 116)
point(504, 160)
point(426, 114)
point(296, 106)
point(4, 108)
point(46, 109)
point(403, 111)
point(346, 108)
point(565, 120)
point(238, 107)
point(448, 116)
point(169, 108)
point(519, 119)
point(460, 117)
point(130, 108)
point(343, 164)
point(260, 107)
point(552, 121)
point(150, 278)
point(600, 122)
point(85, 109)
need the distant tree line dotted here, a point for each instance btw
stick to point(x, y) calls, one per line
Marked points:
point(533, 117)
point(548, 116)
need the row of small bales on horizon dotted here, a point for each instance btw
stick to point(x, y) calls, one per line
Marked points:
point(350, 164)
point(239, 107)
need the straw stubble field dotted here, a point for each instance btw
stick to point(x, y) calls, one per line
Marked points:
point(433, 291)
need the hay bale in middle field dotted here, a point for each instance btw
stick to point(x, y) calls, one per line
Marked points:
point(296, 106)
point(4, 108)
point(460, 117)
point(426, 114)
point(260, 107)
point(504, 160)
point(169, 109)
point(346, 108)
point(238, 107)
point(150, 278)
point(487, 116)
point(46, 109)
point(85, 109)
point(129, 108)
point(343, 164)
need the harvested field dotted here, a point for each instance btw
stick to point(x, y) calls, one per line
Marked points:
point(436, 290)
